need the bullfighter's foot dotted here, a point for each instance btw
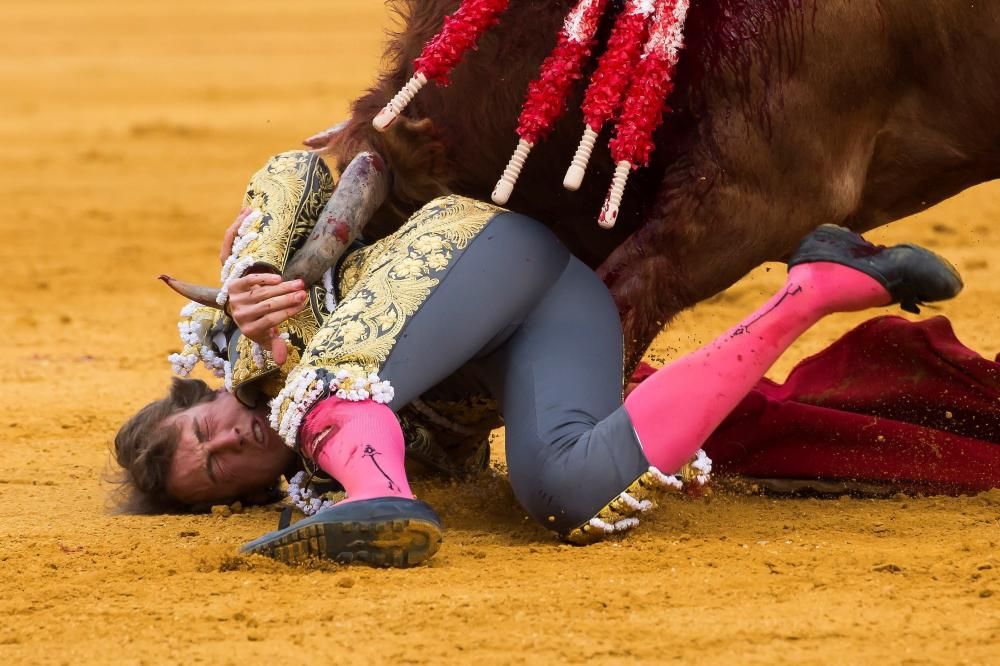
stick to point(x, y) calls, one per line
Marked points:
point(384, 532)
point(912, 275)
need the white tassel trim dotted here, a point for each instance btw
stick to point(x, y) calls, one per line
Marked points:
point(301, 393)
point(213, 362)
point(665, 480)
point(331, 296)
point(189, 309)
point(619, 526)
point(304, 498)
point(235, 266)
point(356, 386)
point(258, 356)
point(703, 464)
point(634, 504)
point(236, 271)
point(182, 364)
point(193, 333)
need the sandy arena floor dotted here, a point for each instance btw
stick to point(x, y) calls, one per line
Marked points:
point(128, 131)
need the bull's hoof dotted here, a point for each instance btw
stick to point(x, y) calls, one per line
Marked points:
point(384, 532)
point(912, 275)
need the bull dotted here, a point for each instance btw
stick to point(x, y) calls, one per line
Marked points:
point(787, 114)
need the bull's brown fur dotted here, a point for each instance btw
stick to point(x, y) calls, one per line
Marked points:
point(790, 114)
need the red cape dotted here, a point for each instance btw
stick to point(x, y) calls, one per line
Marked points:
point(893, 401)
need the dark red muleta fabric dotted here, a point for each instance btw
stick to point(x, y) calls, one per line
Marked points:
point(891, 401)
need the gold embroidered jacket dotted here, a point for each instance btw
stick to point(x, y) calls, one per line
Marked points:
point(377, 287)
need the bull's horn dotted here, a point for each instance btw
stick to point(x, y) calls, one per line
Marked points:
point(363, 187)
point(204, 295)
point(322, 140)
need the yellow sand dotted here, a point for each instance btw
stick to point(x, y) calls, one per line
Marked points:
point(128, 131)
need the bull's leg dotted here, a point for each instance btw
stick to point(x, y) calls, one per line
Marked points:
point(695, 244)
point(722, 210)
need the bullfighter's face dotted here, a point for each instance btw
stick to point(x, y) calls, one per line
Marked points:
point(225, 451)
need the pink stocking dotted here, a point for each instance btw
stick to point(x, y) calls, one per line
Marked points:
point(676, 409)
point(360, 444)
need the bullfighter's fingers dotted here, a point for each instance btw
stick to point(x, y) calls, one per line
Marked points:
point(279, 347)
point(251, 282)
point(261, 309)
point(258, 328)
point(274, 318)
point(261, 294)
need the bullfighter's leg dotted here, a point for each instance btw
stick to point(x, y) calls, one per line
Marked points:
point(582, 465)
point(475, 306)
point(453, 283)
point(833, 270)
point(570, 447)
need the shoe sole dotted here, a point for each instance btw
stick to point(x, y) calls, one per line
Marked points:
point(399, 543)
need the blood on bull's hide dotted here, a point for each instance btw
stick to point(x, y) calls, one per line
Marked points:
point(787, 114)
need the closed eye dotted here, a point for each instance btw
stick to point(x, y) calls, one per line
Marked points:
point(200, 435)
point(210, 467)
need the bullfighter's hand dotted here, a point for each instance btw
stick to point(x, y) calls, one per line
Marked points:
point(230, 235)
point(258, 302)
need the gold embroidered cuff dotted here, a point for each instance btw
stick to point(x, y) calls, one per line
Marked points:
point(622, 513)
point(287, 196)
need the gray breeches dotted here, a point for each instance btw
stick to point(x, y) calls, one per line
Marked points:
point(540, 330)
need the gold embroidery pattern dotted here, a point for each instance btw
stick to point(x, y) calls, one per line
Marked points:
point(359, 264)
point(389, 281)
point(243, 365)
point(290, 190)
point(644, 489)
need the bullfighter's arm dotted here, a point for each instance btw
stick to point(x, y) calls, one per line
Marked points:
point(363, 187)
point(256, 301)
point(259, 301)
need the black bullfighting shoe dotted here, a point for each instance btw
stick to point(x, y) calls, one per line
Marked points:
point(384, 532)
point(912, 275)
